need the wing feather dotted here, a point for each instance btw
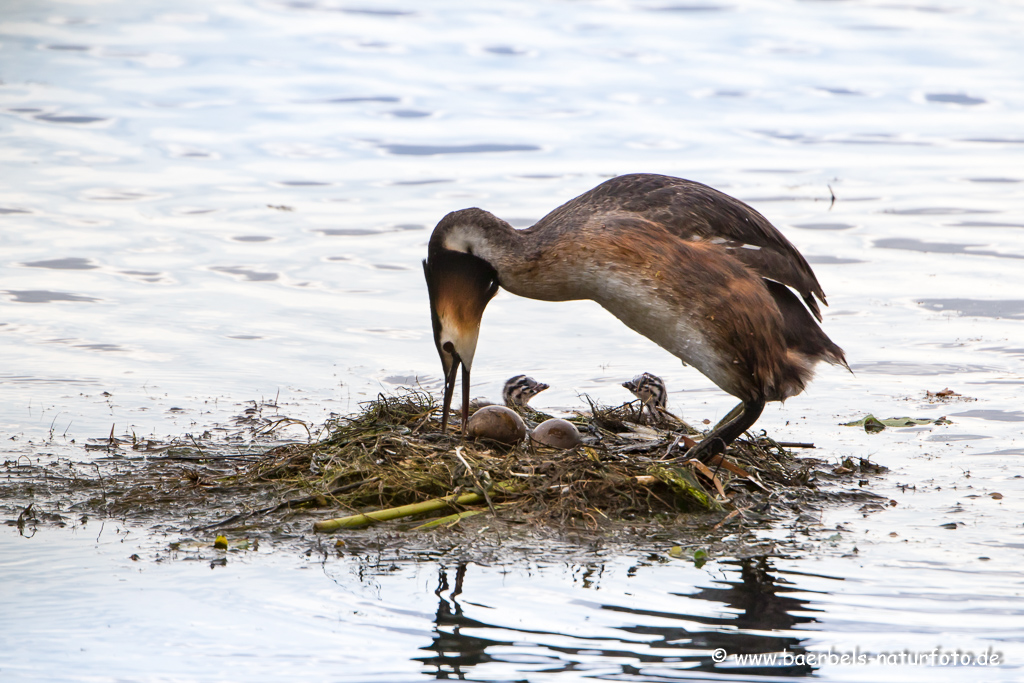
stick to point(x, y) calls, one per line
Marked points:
point(692, 211)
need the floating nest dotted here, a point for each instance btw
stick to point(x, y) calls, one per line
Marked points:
point(390, 461)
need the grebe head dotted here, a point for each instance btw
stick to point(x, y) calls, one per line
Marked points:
point(520, 389)
point(650, 389)
point(460, 285)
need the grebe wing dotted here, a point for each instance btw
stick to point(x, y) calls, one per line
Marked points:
point(692, 211)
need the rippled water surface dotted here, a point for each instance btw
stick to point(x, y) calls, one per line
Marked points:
point(205, 204)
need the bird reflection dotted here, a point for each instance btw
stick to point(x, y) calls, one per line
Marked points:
point(758, 606)
point(454, 652)
point(751, 608)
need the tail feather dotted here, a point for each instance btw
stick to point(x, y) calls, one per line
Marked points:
point(801, 332)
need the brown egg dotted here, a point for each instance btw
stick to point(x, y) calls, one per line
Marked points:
point(498, 423)
point(556, 433)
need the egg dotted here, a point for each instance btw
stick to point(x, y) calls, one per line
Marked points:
point(497, 423)
point(556, 433)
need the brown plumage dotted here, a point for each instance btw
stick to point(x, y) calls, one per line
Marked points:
point(698, 272)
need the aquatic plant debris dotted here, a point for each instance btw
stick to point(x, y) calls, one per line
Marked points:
point(873, 425)
point(389, 467)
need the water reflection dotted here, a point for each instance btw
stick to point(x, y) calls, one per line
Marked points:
point(454, 651)
point(757, 604)
point(993, 308)
point(911, 244)
point(954, 98)
point(246, 274)
point(753, 611)
point(148, 147)
point(70, 263)
point(431, 150)
point(39, 296)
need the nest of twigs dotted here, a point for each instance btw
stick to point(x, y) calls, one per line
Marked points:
point(630, 468)
point(392, 454)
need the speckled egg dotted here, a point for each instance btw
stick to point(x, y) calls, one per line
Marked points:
point(556, 433)
point(497, 423)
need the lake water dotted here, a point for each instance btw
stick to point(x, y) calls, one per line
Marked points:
point(209, 204)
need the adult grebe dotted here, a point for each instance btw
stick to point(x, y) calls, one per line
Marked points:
point(694, 270)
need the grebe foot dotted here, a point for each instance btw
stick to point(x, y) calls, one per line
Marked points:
point(724, 434)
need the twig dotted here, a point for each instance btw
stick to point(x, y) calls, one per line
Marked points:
point(286, 504)
point(703, 469)
point(22, 517)
point(450, 520)
point(675, 443)
point(196, 444)
point(458, 454)
point(728, 517)
point(422, 422)
point(362, 519)
point(99, 474)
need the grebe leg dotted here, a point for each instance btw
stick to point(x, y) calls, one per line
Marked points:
point(730, 416)
point(724, 434)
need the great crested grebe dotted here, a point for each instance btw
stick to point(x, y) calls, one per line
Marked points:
point(516, 393)
point(653, 395)
point(651, 391)
point(694, 270)
point(520, 389)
